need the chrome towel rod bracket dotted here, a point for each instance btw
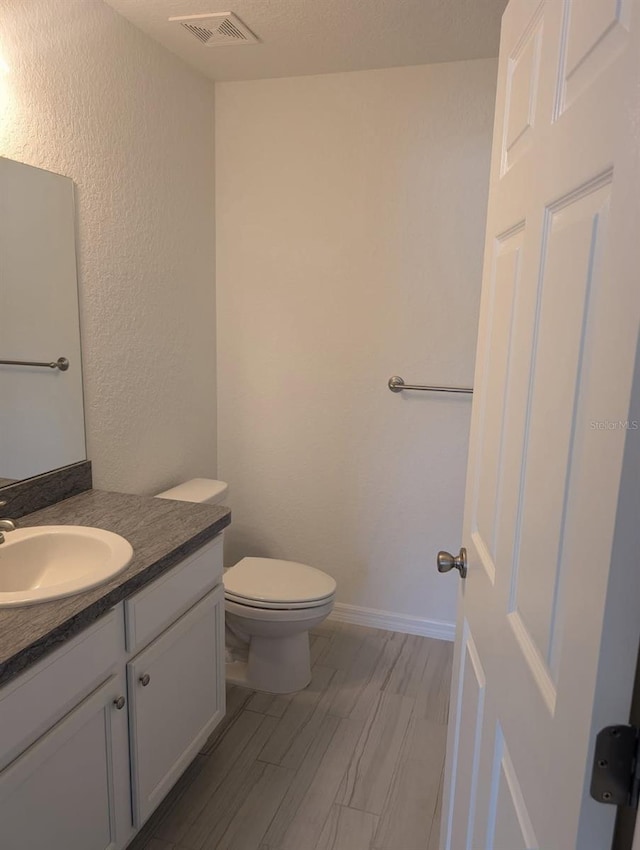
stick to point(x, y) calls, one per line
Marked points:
point(396, 384)
point(61, 363)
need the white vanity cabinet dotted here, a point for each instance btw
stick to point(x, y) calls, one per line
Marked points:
point(93, 736)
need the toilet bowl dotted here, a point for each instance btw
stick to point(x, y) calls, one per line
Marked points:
point(270, 607)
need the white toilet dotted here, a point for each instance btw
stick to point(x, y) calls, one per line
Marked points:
point(270, 607)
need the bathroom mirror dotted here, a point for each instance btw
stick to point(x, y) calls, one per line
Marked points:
point(41, 404)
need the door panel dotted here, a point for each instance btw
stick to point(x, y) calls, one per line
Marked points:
point(593, 37)
point(468, 738)
point(522, 87)
point(488, 509)
point(509, 823)
point(573, 242)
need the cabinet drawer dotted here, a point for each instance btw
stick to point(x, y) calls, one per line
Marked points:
point(176, 699)
point(157, 606)
point(33, 702)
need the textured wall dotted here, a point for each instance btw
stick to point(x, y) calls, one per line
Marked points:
point(87, 95)
point(350, 225)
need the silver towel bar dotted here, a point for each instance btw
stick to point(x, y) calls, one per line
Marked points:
point(396, 385)
point(61, 363)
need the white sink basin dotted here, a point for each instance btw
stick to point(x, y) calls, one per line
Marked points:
point(50, 561)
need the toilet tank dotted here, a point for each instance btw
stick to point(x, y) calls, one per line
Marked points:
point(202, 490)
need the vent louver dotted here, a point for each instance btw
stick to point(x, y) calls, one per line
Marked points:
point(217, 29)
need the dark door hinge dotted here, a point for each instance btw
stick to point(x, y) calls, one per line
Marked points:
point(615, 778)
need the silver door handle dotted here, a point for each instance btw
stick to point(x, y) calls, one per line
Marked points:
point(447, 561)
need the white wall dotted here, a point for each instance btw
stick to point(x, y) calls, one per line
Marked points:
point(350, 223)
point(88, 96)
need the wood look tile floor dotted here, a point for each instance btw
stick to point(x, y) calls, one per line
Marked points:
point(354, 762)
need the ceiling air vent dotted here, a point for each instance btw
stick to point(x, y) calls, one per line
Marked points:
point(217, 29)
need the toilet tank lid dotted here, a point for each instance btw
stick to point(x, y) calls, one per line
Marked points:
point(196, 490)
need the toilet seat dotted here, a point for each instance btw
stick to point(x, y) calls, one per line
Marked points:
point(270, 583)
point(277, 606)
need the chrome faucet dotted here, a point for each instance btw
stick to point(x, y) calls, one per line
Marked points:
point(6, 525)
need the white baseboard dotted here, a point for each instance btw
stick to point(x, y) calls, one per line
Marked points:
point(388, 620)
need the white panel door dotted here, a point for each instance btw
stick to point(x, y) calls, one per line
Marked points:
point(548, 622)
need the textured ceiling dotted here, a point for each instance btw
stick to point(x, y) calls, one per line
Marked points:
point(300, 37)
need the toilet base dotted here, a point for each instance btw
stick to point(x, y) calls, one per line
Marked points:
point(275, 665)
point(236, 673)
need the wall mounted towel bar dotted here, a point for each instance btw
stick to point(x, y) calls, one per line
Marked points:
point(396, 385)
point(61, 363)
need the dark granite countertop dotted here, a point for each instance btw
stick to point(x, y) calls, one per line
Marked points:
point(162, 533)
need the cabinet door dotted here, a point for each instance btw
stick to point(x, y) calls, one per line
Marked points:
point(70, 790)
point(176, 699)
